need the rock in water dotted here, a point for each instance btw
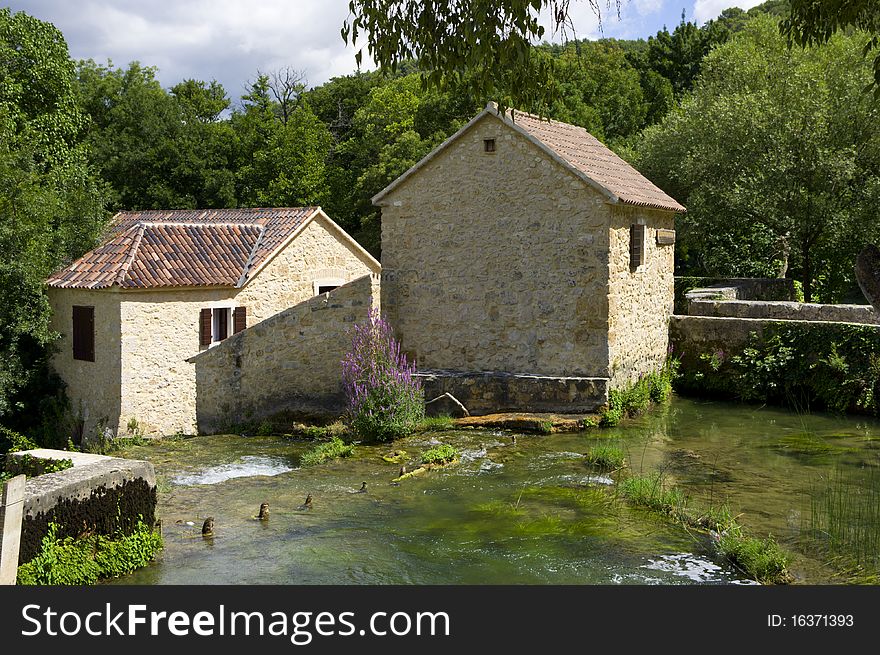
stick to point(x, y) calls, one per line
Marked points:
point(264, 512)
point(868, 274)
point(208, 527)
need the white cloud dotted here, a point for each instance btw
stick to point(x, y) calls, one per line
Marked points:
point(705, 10)
point(226, 40)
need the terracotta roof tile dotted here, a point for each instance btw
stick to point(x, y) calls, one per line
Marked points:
point(217, 247)
point(588, 155)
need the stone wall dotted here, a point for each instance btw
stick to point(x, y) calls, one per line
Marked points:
point(144, 337)
point(160, 331)
point(104, 495)
point(92, 387)
point(692, 336)
point(785, 311)
point(488, 393)
point(289, 362)
point(640, 300)
point(497, 261)
point(320, 252)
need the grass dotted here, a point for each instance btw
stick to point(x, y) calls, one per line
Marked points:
point(87, 559)
point(652, 492)
point(442, 454)
point(332, 449)
point(845, 517)
point(436, 423)
point(605, 457)
point(635, 398)
point(762, 560)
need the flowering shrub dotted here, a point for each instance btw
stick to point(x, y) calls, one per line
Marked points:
point(384, 400)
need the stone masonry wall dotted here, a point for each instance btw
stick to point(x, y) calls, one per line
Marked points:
point(318, 252)
point(290, 361)
point(160, 331)
point(93, 387)
point(497, 261)
point(640, 301)
point(785, 310)
point(161, 327)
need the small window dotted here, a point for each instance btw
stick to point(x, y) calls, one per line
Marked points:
point(636, 245)
point(84, 333)
point(488, 145)
point(219, 323)
point(326, 284)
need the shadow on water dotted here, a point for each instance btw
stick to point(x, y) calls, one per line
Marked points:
point(530, 512)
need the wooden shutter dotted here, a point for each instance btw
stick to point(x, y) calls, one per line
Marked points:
point(84, 333)
point(636, 245)
point(239, 319)
point(205, 327)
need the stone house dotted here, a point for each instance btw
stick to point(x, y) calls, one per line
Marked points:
point(526, 266)
point(166, 285)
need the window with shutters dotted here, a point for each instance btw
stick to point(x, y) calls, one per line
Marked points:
point(83, 333)
point(636, 245)
point(218, 323)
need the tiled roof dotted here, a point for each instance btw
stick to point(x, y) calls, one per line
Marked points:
point(588, 155)
point(216, 247)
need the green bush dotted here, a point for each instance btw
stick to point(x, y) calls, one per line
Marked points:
point(635, 398)
point(85, 560)
point(833, 366)
point(442, 454)
point(328, 450)
point(34, 466)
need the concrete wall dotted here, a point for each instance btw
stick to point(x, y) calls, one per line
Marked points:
point(640, 300)
point(497, 261)
point(93, 387)
point(290, 361)
point(785, 310)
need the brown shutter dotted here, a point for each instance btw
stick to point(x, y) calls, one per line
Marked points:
point(636, 243)
point(84, 333)
point(239, 319)
point(205, 327)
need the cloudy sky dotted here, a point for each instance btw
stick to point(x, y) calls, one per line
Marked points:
point(229, 40)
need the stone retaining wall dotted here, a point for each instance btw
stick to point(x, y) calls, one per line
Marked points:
point(289, 362)
point(492, 392)
point(784, 311)
point(100, 494)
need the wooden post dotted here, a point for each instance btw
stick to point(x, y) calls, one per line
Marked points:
point(11, 511)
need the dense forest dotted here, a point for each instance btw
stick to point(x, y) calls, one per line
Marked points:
point(774, 150)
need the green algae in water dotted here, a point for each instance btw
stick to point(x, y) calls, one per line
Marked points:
point(808, 445)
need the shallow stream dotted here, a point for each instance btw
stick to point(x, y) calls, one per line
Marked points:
point(508, 513)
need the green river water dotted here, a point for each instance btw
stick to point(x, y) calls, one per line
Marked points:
point(529, 512)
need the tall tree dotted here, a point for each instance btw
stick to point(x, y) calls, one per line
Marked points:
point(775, 156)
point(813, 22)
point(157, 149)
point(51, 204)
